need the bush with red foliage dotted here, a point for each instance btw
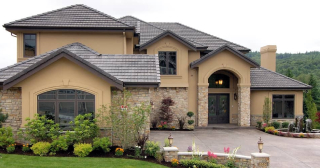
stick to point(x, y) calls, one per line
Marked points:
point(166, 113)
point(318, 117)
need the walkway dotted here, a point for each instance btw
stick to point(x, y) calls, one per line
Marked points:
point(285, 152)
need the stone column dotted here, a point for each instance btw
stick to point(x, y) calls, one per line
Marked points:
point(244, 105)
point(202, 105)
point(260, 160)
point(170, 153)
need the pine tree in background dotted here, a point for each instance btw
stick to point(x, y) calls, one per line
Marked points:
point(289, 73)
point(311, 109)
point(315, 93)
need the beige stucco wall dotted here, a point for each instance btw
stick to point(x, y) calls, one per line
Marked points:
point(170, 44)
point(62, 74)
point(104, 43)
point(193, 81)
point(257, 101)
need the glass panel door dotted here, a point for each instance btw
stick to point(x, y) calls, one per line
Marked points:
point(212, 108)
point(218, 108)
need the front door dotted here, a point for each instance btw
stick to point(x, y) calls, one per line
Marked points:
point(218, 108)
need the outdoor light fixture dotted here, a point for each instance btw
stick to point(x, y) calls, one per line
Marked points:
point(260, 145)
point(235, 96)
point(220, 82)
point(217, 82)
point(170, 138)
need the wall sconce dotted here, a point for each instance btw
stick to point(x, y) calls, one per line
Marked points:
point(217, 82)
point(170, 138)
point(260, 145)
point(235, 96)
point(220, 82)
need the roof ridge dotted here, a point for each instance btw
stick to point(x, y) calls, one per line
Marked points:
point(86, 47)
point(285, 76)
point(209, 34)
point(142, 21)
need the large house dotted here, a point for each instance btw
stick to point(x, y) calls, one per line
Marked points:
point(70, 60)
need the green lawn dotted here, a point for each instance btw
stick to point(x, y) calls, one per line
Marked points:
point(18, 161)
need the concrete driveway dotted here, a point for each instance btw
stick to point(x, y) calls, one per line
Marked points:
point(285, 152)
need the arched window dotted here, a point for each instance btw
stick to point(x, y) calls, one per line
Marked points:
point(64, 105)
point(219, 81)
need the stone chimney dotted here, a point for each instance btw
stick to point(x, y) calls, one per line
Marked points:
point(268, 57)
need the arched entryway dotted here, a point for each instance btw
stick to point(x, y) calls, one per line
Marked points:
point(222, 97)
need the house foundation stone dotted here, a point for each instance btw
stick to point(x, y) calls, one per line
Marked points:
point(244, 106)
point(202, 106)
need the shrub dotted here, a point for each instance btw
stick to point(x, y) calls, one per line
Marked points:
point(41, 148)
point(40, 129)
point(152, 148)
point(82, 149)
point(102, 144)
point(231, 164)
point(166, 142)
point(26, 148)
point(173, 128)
point(159, 157)
point(174, 162)
point(200, 163)
point(285, 124)
point(190, 114)
point(3, 117)
point(85, 127)
point(269, 129)
point(275, 124)
point(166, 113)
point(119, 152)
point(190, 122)
point(275, 132)
point(6, 137)
point(11, 148)
point(266, 110)
point(190, 127)
point(259, 124)
point(181, 121)
point(142, 140)
point(301, 135)
point(154, 123)
point(264, 125)
point(59, 144)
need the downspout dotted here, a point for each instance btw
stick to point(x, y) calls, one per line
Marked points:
point(124, 43)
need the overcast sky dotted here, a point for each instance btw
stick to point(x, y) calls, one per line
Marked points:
point(292, 25)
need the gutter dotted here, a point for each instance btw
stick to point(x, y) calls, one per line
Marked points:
point(277, 88)
point(141, 84)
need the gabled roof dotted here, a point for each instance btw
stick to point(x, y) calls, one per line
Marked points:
point(264, 79)
point(75, 16)
point(217, 51)
point(129, 70)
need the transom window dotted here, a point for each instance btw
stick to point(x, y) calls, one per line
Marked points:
point(168, 62)
point(219, 81)
point(283, 106)
point(64, 105)
point(29, 45)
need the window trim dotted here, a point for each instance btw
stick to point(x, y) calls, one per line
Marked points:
point(35, 52)
point(56, 101)
point(167, 63)
point(283, 99)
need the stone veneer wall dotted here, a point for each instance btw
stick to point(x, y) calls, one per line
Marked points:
point(178, 94)
point(11, 104)
point(202, 106)
point(244, 106)
point(139, 95)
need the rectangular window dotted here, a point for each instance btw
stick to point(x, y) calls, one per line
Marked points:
point(283, 106)
point(29, 45)
point(168, 62)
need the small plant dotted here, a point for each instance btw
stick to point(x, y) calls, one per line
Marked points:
point(154, 123)
point(285, 124)
point(189, 149)
point(164, 124)
point(152, 148)
point(190, 122)
point(259, 124)
point(301, 135)
point(11, 148)
point(160, 127)
point(3, 117)
point(82, 149)
point(159, 157)
point(264, 125)
point(25, 148)
point(190, 127)
point(173, 128)
point(166, 143)
point(6, 137)
point(231, 158)
point(59, 144)
point(231, 164)
point(41, 148)
point(102, 144)
point(174, 162)
point(119, 152)
point(181, 121)
point(269, 129)
point(226, 150)
point(275, 132)
point(137, 152)
point(190, 114)
point(200, 163)
point(212, 157)
point(275, 124)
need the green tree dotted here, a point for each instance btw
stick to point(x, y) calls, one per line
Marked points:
point(266, 110)
point(311, 109)
point(315, 90)
point(289, 73)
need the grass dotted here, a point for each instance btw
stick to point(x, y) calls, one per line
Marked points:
point(17, 161)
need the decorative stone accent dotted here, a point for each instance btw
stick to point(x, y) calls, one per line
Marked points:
point(202, 106)
point(10, 103)
point(179, 95)
point(244, 106)
point(254, 119)
point(260, 160)
point(170, 153)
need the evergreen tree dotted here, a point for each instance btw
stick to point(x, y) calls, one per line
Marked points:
point(315, 90)
point(289, 73)
point(311, 109)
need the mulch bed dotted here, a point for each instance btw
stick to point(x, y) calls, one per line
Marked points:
point(69, 153)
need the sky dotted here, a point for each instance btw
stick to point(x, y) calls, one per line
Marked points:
point(292, 25)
